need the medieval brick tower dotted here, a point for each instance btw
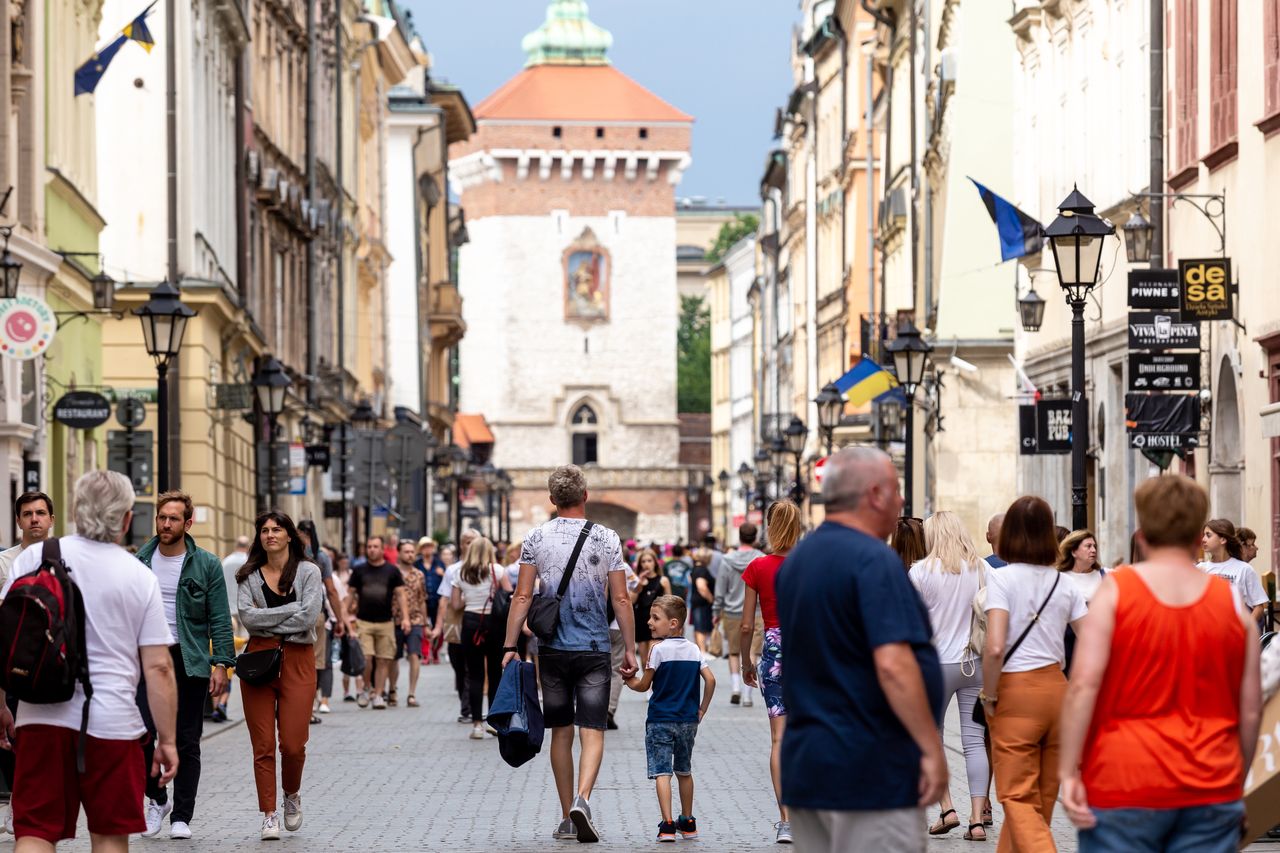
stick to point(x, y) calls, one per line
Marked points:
point(568, 187)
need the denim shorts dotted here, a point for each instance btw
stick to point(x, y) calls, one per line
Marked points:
point(668, 747)
point(575, 688)
point(1194, 829)
point(770, 672)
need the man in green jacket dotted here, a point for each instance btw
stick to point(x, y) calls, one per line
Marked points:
point(195, 603)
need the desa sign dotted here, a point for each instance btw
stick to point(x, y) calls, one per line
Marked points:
point(1206, 289)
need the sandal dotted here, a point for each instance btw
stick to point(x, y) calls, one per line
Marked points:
point(941, 826)
point(969, 836)
point(412, 702)
point(987, 819)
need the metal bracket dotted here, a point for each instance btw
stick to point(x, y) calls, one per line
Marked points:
point(1212, 206)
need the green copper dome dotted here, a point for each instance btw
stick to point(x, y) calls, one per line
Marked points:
point(567, 37)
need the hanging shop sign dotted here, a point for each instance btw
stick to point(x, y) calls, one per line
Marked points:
point(1027, 430)
point(1053, 426)
point(1206, 289)
point(1178, 371)
point(82, 410)
point(1162, 421)
point(27, 327)
point(30, 475)
point(131, 412)
point(1155, 288)
point(1162, 330)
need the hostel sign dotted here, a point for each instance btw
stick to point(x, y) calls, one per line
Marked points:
point(1206, 289)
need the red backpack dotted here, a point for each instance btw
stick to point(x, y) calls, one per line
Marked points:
point(42, 638)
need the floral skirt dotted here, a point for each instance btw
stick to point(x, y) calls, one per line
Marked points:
point(770, 671)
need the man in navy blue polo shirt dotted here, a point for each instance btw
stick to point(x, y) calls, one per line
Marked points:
point(863, 687)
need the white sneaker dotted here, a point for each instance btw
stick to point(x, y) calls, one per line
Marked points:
point(179, 831)
point(155, 814)
point(379, 703)
point(271, 827)
point(477, 733)
point(363, 699)
point(747, 702)
point(8, 819)
point(293, 812)
point(324, 708)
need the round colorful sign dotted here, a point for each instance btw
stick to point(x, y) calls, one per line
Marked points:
point(27, 327)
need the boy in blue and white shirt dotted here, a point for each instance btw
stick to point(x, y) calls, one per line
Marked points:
point(673, 669)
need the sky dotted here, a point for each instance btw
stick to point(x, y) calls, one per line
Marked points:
point(727, 62)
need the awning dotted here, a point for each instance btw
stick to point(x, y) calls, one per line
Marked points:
point(1270, 420)
point(470, 430)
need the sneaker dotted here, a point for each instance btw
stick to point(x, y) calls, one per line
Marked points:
point(747, 701)
point(490, 729)
point(271, 827)
point(464, 718)
point(219, 714)
point(687, 825)
point(349, 698)
point(666, 831)
point(379, 704)
point(580, 814)
point(784, 831)
point(179, 831)
point(293, 812)
point(324, 708)
point(735, 699)
point(477, 733)
point(155, 814)
point(363, 699)
point(566, 831)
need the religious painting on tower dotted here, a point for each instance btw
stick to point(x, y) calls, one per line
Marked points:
point(586, 279)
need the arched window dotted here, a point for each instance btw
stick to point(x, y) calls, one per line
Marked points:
point(583, 426)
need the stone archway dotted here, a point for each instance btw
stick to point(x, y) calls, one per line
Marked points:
point(620, 518)
point(1227, 461)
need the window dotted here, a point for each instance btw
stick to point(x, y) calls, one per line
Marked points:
point(585, 441)
point(1222, 69)
point(557, 131)
point(644, 131)
point(1271, 55)
point(1185, 86)
point(599, 133)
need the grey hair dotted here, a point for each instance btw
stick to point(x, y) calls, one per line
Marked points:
point(567, 485)
point(848, 476)
point(103, 499)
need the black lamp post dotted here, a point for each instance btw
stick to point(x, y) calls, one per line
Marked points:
point(830, 406)
point(778, 451)
point(461, 479)
point(797, 435)
point(164, 321)
point(1138, 232)
point(489, 475)
point(763, 474)
point(364, 419)
point(910, 359)
point(1031, 310)
point(724, 478)
point(271, 381)
point(1076, 238)
point(10, 267)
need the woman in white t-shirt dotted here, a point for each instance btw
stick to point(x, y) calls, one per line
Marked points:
point(947, 579)
point(479, 579)
point(1222, 555)
point(1029, 606)
point(1078, 563)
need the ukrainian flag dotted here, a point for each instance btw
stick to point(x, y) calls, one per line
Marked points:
point(866, 381)
point(90, 73)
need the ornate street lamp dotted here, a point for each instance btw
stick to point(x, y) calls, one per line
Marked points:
point(270, 381)
point(1137, 239)
point(489, 476)
point(763, 474)
point(797, 435)
point(10, 267)
point(104, 291)
point(830, 406)
point(1076, 237)
point(910, 360)
point(164, 321)
point(1031, 310)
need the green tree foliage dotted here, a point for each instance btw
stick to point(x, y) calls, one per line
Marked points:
point(742, 225)
point(693, 356)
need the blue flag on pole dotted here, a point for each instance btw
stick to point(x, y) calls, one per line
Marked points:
point(866, 381)
point(1020, 234)
point(88, 74)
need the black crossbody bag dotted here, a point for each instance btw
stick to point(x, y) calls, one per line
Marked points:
point(544, 610)
point(260, 668)
point(980, 713)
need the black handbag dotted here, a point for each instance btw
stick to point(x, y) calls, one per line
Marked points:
point(260, 668)
point(351, 657)
point(544, 610)
point(979, 713)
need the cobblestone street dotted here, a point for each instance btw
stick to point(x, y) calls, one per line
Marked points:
point(409, 779)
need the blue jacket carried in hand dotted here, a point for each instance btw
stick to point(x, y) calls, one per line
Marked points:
point(516, 714)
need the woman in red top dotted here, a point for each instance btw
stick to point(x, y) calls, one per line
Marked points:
point(1161, 716)
point(782, 531)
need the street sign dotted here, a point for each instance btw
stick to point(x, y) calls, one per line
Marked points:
point(297, 469)
point(237, 396)
point(82, 410)
point(1162, 421)
point(1161, 330)
point(1164, 371)
point(30, 475)
point(131, 412)
point(130, 453)
point(318, 456)
point(27, 327)
point(1153, 288)
point(145, 395)
point(1053, 426)
point(273, 461)
point(1206, 288)
point(1027, 430)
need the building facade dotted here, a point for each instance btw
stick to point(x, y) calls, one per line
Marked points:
point(569, 187)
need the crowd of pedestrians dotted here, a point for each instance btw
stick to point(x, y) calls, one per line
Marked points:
point(1131, 692)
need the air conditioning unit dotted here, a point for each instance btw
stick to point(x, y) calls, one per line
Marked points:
point(948, 65)
point(252, 166)
point(268, 184)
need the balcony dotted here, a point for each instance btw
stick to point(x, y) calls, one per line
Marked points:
point(445, 314)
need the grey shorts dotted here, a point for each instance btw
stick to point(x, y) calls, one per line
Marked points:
point(575, 688)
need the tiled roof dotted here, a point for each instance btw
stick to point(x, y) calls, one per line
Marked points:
point(576, 93)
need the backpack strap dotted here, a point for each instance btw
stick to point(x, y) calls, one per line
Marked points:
point(573, 560)
point(51, 553)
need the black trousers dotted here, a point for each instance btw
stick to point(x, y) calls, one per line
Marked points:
point(458, 660)
point(191, 693)
point(482, 660)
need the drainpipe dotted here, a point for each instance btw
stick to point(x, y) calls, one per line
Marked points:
point(869, 150)
point(313, 270)
point(776, 195)
point(928, 188)
point(844, 196)
point(913, 25)
point(811, 250)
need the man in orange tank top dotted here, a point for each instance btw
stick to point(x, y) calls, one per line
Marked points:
point(1161, 717)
